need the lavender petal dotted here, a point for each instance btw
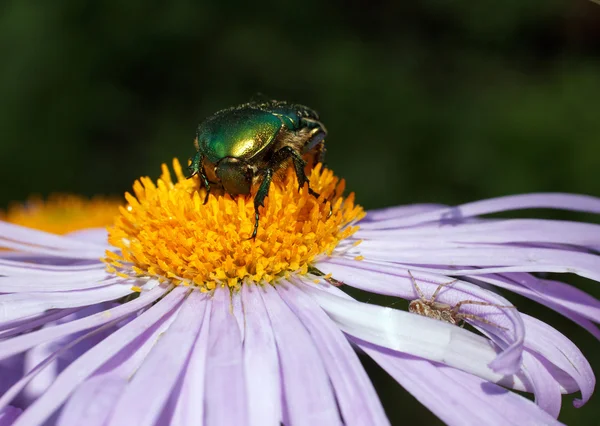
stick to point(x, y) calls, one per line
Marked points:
point(400, 211)
point(308, 394)
point(17, 266)
point(35, 237)
point(23, 305)
point(355, 394)
point(397, 282)
point(8, 415)
point(88, 363)
point(496, 231)
point(581, 203)
point(22, 343)
point(261, 365)
point(169, 355)
point(558, 350)
point(53, 284)
point(87, 253)
point(413, 334)
point(225, 390)
point(569, 301)
point(190, 394)
point(454, 395)
point(95, 398)
point(98, 236)
point(93, 401)
point(545, 387)
point(522, 259)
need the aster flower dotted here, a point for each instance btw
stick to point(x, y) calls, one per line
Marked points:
point(65, 214)
point(208, 327)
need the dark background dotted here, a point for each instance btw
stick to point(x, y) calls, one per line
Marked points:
point(425, 101)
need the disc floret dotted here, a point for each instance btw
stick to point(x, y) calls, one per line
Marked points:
point(167, 232)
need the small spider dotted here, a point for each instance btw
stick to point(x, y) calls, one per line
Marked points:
point(447, 313)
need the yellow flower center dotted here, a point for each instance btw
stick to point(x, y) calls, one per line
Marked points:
point(168, 232)
point(61, 214)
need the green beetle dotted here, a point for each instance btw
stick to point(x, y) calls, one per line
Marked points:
point(245, 145)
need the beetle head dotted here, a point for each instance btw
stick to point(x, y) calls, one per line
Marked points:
point(235, 175)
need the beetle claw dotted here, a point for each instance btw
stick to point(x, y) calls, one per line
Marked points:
point(253, 236)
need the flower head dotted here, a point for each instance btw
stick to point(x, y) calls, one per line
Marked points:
point(63, 213)
point(192, 323)
point(166, 231)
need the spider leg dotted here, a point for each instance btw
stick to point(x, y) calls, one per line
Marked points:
point(437, 290)
point(414, 282)
point(473, 317)
point(480, 303)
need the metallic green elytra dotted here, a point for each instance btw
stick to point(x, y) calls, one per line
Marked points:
point(245, 145)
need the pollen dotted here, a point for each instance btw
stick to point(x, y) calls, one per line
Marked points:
point(63, 213)
point(167, 232)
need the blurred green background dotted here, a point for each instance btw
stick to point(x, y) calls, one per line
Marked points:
point(429, 101)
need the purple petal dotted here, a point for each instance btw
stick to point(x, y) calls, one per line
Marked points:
point(189, 405)
point(51, 284)
point(93, 401)
point(564, 294)
point(88, 363)
point(261, 366)
point(95, 398)
point(40, 383)
point(181, 335)
point(554, 294)
point(38, 238)
point(11, 370)
point(8, 415)
point(571, 202)
point(24, 380)
point(400, 211)
point(238, 312)
point(377, 278)
point(565, 355)
point(496, 231)
point(545, 388)
point(16, 266)
point(22, 343)
point(413, 334)
point(525, 259)
point(97, 236)
point(20, 326)
point(23, 305)
point(355, 394)
point(224, 389)
point(563, 298)
point(308, 395)
point(454, 395)
point(34, 261)
point(395, 281)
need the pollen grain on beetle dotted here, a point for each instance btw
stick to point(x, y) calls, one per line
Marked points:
point(168, 233)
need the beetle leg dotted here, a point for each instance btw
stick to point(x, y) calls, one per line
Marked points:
point(279, 157)
point(197, 168)
point(259, 199)
point(299, 164)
